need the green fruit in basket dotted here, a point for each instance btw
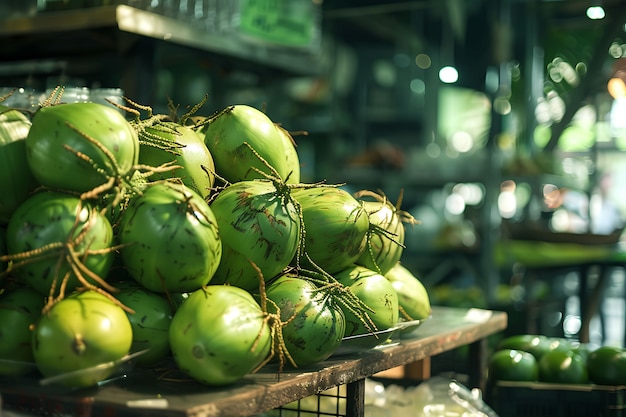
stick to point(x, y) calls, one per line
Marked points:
point(78, 341)
point(186, 148)
point(336, 227)
point(582, 349)
point(48, 227)
point(19, 308)
point(260, 230)
point(79, 146)
point(239, 134)
point(386, 235)
point(538, 345)
point(563, 367)
point(314, 322)
point(512, 365)
point(377, 293)
point(16, 179)
point(220, 334)
point(150, 319)
point(561, 343)
point(607, 365)
point(170, 238)
point(413, 298)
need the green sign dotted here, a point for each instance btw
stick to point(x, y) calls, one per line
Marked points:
point(282, 22)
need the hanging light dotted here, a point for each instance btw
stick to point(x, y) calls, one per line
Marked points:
point(448, 74)
point(595, 11)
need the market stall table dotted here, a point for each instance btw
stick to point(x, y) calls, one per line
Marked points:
point(144, 392)
point(541, 256)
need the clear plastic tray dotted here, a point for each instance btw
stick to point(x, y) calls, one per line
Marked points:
point(379, 339)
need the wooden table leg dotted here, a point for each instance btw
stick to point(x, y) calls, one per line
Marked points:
point(590, 305)
point(355, 398)
point(477, 364)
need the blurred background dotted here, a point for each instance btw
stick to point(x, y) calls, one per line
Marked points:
point(502, 123)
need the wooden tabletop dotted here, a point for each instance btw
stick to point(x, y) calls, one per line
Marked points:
point(149, 391)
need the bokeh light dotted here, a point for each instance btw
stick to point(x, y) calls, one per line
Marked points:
point(423, 61)
point(595, 13)
point(507, 203)
point(448, 74)
point(462, 141)
point(472, 193)
point(455, 204)
point(417, 86)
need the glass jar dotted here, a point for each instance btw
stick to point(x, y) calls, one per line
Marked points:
point(73, 95)
point(20, 98)
point(107, 95)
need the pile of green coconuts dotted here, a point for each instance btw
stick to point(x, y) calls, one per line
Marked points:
point(183, 239)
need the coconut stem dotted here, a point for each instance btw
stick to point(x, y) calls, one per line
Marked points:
point(78, 344)
point(275, 324)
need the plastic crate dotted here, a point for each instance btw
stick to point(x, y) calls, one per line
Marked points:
point(331, 402)
point(524, 399)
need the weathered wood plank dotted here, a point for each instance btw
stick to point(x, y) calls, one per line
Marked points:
point(448, 328)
